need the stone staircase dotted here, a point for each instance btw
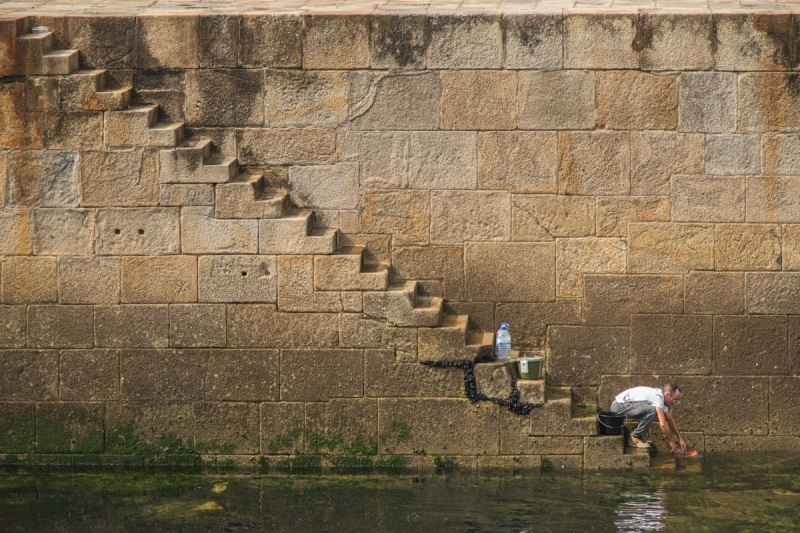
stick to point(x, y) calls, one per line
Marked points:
point(23, 53)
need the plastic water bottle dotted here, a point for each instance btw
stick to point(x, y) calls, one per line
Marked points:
point(502, 347)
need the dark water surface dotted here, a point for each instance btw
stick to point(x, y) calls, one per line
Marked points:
point(722, 493)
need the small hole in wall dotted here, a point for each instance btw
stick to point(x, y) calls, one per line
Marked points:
point(244, 273)
point(117, 232)
point(141, 232)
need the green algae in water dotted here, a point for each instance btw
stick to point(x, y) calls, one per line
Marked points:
point(730, 493)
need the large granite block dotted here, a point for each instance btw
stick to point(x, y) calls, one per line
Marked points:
point(460, 216)
point(631, 100)
point(478, 99)
point(600, 41)
point(469, 42)
point(60, 326)
point(610, 299)
point(579, 355)
point(750, 345)
point(672, 345)
point(162, 375)
point(243, 375)
point(560, 99)
point(319, 375)
point(594, 163)
point(167, 279)
point(259, 325)
point(223, 97)
point(504, 272)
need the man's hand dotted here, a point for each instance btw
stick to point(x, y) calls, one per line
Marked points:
point(683, 445)
point(672, 447)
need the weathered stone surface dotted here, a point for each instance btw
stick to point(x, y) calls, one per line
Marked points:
point(197, 325)
point(20, 129)
point(600, 41)
point(747, 247)
point(237, 278)
point(636, 100)
point(28, 280)
point(518, 161)
point(286, 146)
point(459, 216)
point(707, 102)
point(395, 101)
point(515, 438)
point(226, 427)
point(88, 280)
point(218, 41)
point(270, 41)
point(790, 247)
point(138, 231)
point(783, 418)
point(42, 94)
point(750, 345)
point(3, 178)
point(104, 41)
point(510, 272)
point(298, 98)
point(13, 326)
point(773, 199)
point(202, 233)
point(749, 444)
point(707, 199)
point(754, 42)
point(443, 160)
point(533, 41)
point(464, 42)
point(671, 344)
point(385, 377)
point(781, 154)
point(715, 293)
point(576, 257)
point(150, 422)
point(451, 426)
point(478, 99)
point(594, 163)
point(494, 379)
point(579, 355)
point(403, 214)
point(336, 42)
point(168, 279)
point(180, 194)
point(73, 131)
point(383, 157)
point(69, 428)
point(15, 226)
point(768, 101)
point(60, 326)
point(556, 100)
point(733, 154)
point(296, 287)
point(658, 155)
point(223, 97)
point(319, 375)
point(531, 390)
point(772, 293)
point(351, 421)
point(665, 247)
point(126, 178)
point(131, 326)
point(29, 375)
point(243, 375)
point(325, 186)
point(258, 325)
point(63, 232)
point(43, 179)
point(167, 41)
point(444, 263)
point(20, 428)
point(398, 41)
point(529, 321)
point(607, 452)
point(611, 298)
point(162, 375)
point(614, 213)
point(545, 218)
point(89, 375)
point(676, 42)
point(282, 427)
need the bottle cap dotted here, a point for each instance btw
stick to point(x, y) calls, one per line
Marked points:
point(503, 326)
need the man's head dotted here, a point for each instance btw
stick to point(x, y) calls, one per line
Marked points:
point(672, 393)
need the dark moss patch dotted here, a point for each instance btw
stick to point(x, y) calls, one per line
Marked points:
point(17, 428)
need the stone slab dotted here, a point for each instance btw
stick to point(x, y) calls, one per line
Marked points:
point(243, 375)
point(443, 160)
point(548, 217)
point(459, 216)
point(771, 292)
point(120, 178)
point(533, 41)
point(28, 280)
point(237, 278)
point(521, 162)
point(665, 247)
point(464, 42)
point(529, 321)
point(671, 344)
point(319, 375)
point(750, 345)
point(707, 102)
point(478, 99)
point(610, 299)
point(261, 326)
point(331, 42)
point(227, 427)
point(773, 199)
point(631, 100)
point(594, 163)
point(580, 355)
point(166, 279)
point(576, 257)
point(600, 41)
point(715, 293)
point(615, 212)
point(707, 199)
point(43, 179)
point(88, 375)
point(395, 101)
point(222, 97)
point(29, 375)
point(657, 155)
point(299, 98)
point(504, 272)
point(747, 247)
point(677, 41)
point(60, 326)
point(63, 231)
point(162, 375)
point(197, 325)
point(340, 190)
point(202, 233)
point(561, 99)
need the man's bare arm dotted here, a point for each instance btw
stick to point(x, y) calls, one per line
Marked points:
point(674, 425)
point(665, 426)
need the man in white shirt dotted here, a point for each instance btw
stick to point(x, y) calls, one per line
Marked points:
point(645, 404)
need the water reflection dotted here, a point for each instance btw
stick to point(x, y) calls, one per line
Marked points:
point(642, 512)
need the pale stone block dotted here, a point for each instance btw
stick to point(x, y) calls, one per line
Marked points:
point(733, 154)
point(594, 163)
point(286, 146)
point(63, 232)
point(560, 99)
point(772, 293)
point(657, 155)
point(15, 227)
point(632, 100)
point(610, 299)
point(782, 154)
point(73, 131)
point(544, 218)
point(534, 41)
point(518, 161)
point(768, 101)
point(167, 41)
point(237, 278)
point(395, 101)
point(600, 41)
point(383, 157)
point(458, 216)
point(138, 231)
point(270, 41)
point(576, 257)
point(790, 247)
point(707, 199)
point(125, 178)
point(201, 233)
point(197, 325)
point(159, 279)
point(773, 200)
point(707, 102)
point(715, 293)
point(180, 194)
point(299, 98)
point(474, 41)
point(326, 187)
point(614, 213)
point(676, 42)
point(478, 99)
point(88, 280)
point(663, 247)
point(510, 272)
point(747, 247)
point(28, 280)
point(754, 42)
point(296, 287)
point(43, 179)
point(398, 41)
point(336, 42)
point(443, 160)
point(403, 214)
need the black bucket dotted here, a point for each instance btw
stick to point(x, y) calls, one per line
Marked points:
point(609, 423)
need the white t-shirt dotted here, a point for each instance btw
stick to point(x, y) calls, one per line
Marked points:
point(654, 397)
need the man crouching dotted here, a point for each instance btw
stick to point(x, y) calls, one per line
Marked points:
point(644, 404)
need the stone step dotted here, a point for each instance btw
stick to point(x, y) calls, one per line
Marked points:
point(192, 162)
point(11, 27)
point(294, 234)
point(34, 55)
point(344, 270)
point(139, 126)
point(86, 90)
point(60, 62)
point(401, 305)
point(608, 452)
point(245, 197)
point(453, 341)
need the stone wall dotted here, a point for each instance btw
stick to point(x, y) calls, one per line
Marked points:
point(210, 233)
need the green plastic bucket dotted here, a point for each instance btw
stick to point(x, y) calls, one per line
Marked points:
point(530, 367)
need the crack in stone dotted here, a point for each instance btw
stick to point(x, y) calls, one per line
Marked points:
point(365, 103)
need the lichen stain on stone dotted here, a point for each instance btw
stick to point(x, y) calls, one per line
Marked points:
point(533, 30)
point(397, 40)
point(778, 29)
